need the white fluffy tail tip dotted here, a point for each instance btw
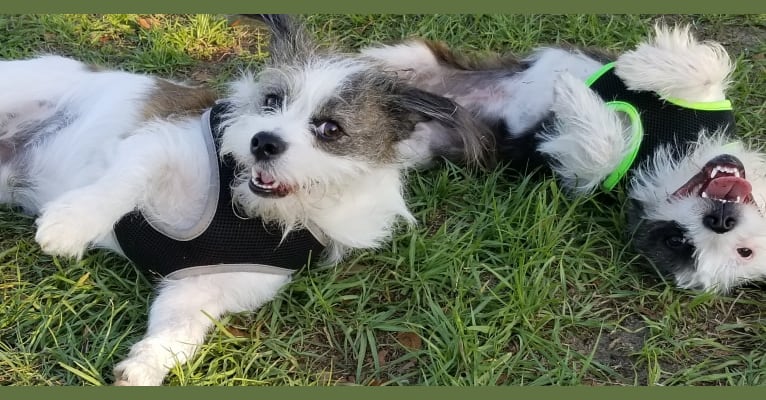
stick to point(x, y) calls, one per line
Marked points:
point(675, 65)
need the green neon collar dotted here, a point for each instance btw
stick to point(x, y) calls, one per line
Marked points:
point(636, 137)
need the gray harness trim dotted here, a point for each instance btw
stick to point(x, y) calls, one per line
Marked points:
point(199, 227)
point(191, 232)
point(227, 268)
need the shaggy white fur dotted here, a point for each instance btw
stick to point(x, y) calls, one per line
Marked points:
point(82, 147)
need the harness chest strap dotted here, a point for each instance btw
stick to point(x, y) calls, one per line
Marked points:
point(221, 241)
point(656, 122)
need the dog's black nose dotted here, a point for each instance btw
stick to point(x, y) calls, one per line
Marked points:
point(266, 146)
point(721, 219)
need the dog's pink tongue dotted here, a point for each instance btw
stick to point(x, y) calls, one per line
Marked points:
point(266, 178)
point(728, 188)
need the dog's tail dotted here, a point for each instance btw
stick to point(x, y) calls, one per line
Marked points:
point(675, 65)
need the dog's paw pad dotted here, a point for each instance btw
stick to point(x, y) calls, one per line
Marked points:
point(60, 234)
point(67, 227)
point(131, 372)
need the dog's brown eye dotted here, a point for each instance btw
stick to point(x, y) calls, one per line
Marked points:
point(675, 242)
point(272, 102)
point(328, 130)
point(744, 252)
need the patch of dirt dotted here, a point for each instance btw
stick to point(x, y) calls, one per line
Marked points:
point(436, 220)
point(616, 349)
point(341, 366)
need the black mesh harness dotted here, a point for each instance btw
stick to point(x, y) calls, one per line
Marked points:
point(223, 241)
point(664, 122)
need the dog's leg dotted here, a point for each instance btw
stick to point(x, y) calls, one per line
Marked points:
point(68, 224)
point(677, 66)
point(72, 221)
point(38, 79)
point(182, 314)
point(587, 141)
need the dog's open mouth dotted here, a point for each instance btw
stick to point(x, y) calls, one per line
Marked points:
point(721, 179)
point(265, 184)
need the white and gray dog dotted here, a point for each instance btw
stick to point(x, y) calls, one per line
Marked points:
point(223, 199)
point(656, 115)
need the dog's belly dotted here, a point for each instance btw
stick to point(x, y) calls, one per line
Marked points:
point(528, 95)
point(62, 136)
point(65, 121)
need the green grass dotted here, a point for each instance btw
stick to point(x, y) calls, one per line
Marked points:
point(505, 281)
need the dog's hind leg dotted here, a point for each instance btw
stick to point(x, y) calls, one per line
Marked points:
point(161, 161)
point(587, 140)
point(31, 89)
point(676, 65)
point(39, 79)
point(181, 316)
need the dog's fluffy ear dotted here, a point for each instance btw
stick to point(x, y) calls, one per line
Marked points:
point(587, 140)
point(290, 40)
point(675, 64)
point(443, 129)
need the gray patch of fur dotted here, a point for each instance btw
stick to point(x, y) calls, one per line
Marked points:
point(19, 130)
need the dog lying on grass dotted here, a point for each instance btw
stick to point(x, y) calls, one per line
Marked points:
point(655, 118)
point(221, 198)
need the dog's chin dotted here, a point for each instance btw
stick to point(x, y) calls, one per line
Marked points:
point(264, 184)
point(723, 179)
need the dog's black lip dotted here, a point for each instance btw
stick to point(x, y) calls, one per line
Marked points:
point(280, 191)
point(265, 192)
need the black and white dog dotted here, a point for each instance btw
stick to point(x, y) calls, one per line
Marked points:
point(656, 115)
point(224, 199)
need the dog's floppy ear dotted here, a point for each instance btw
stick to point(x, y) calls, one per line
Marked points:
point(443, 129)
point(290, 40)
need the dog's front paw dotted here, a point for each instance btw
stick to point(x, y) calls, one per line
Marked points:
point(66, 230)
point(134, 372)
point(147, 364)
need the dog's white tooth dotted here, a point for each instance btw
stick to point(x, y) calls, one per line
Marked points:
point(739, 199)
point(714, 172)
point(704, 195)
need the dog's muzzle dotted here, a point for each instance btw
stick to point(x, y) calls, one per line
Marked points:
point(722, 218)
